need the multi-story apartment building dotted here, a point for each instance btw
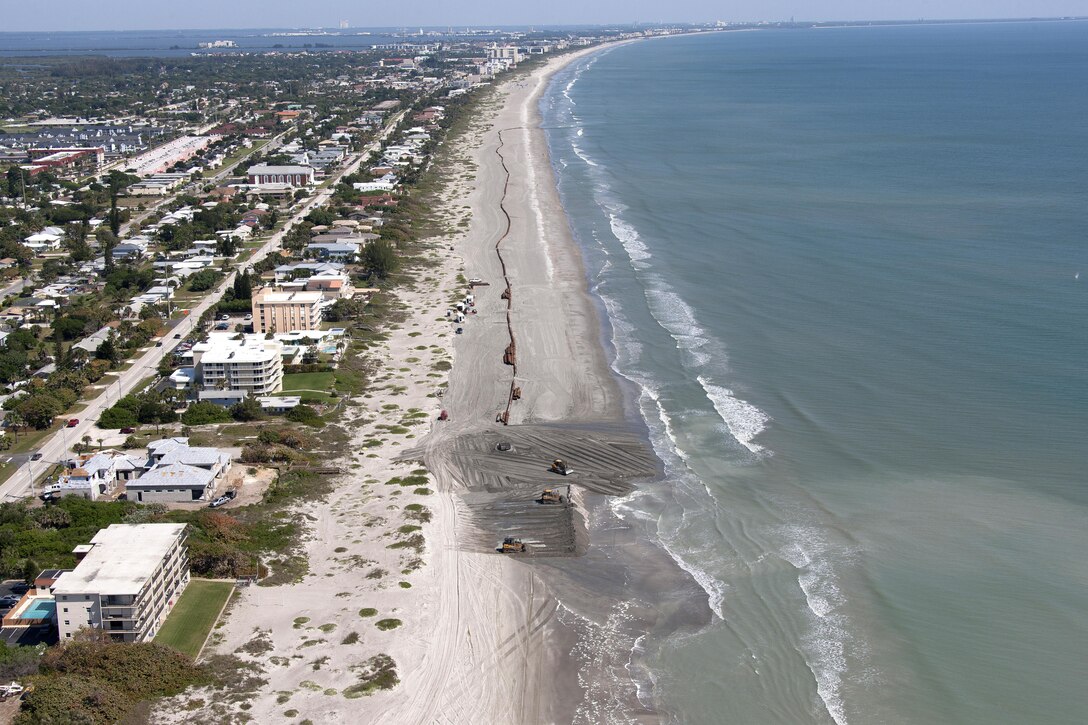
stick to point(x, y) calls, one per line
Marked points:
point(127, 580)
point(286, 311)
point(233, 362)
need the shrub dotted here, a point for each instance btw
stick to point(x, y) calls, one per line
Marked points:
point(387, 624)
point(205, 414)
point(73, 699)
point(377, 673)
point(306, 415)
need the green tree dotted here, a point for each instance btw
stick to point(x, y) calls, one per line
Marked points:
point(248, 409)
point(116, 181)
point(204, 280)
point(107, 240)
point(39, 410)
point(30, 571)
point(108, 349)
point(16, 180)
point(58, 348)
point(226, 246)
point(380, 257)
point(243, 285)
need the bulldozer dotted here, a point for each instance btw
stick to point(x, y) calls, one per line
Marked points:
point(551, 495)
point(510, 545)
point(560, 467)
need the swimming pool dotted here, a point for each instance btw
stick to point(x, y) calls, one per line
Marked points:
point(39, 609)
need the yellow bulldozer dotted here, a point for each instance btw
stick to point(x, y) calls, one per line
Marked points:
point(560, 467)
point(551, 495)
point(510, 545)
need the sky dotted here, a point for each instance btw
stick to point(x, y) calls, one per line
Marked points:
point(155, 14)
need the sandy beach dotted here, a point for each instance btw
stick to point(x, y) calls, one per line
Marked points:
point(410, 570)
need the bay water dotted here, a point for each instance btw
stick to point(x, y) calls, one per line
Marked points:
point(846, 271)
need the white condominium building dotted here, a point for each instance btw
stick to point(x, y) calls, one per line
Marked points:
point(127, 580)
point(239, 362)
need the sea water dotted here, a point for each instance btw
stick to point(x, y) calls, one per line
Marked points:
point(847, 272)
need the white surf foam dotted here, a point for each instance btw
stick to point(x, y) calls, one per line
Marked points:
point(628, 236)
point(744, 420)
point(811, 554)
point(582, 154)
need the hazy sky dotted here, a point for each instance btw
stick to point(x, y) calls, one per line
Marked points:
point(143, 14)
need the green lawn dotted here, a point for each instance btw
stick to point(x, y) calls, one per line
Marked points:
point(321, 382)
point(194, 615)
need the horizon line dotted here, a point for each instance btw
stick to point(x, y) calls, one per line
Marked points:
point(628, 24)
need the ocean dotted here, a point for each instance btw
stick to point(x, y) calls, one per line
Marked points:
point(846, 272)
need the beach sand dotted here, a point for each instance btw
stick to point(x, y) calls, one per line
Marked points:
point(483, 637)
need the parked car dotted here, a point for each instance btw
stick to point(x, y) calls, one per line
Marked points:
point(72, 423)
point(248, 317)
point(128, 430)
point(231, 494)
point(9, 601)
point(224, 318)
point(219, 502)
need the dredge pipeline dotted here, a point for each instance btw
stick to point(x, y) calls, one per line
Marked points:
point(510, 354)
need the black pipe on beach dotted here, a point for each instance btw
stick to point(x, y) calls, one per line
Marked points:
point(508, 292)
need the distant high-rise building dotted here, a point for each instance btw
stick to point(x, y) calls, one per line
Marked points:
point(343, 24)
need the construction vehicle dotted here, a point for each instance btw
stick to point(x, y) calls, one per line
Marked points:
point(551, 495)
point(558, 466)
point(510, 545)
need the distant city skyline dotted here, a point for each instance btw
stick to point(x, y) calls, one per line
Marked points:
point(68, 15)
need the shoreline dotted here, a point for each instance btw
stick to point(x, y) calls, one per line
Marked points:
point(546, 636)
point(569, 388)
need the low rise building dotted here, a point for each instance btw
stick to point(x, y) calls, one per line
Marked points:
point(292, 175)
point(173, 483)
point(286, 311)
point(127, 580)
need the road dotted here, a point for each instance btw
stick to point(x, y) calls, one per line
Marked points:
point(15, 287)
point(54, 449)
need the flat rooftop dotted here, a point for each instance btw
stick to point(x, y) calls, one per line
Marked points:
point(121, 560)
point(267, 295)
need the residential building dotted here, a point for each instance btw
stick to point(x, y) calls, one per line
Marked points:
point(127, 580)
point(169, 451)
point(342, 251)
point(240, 362)
point(172, 483)
point(292, 175)
point(276, 311)
point(95, 476)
